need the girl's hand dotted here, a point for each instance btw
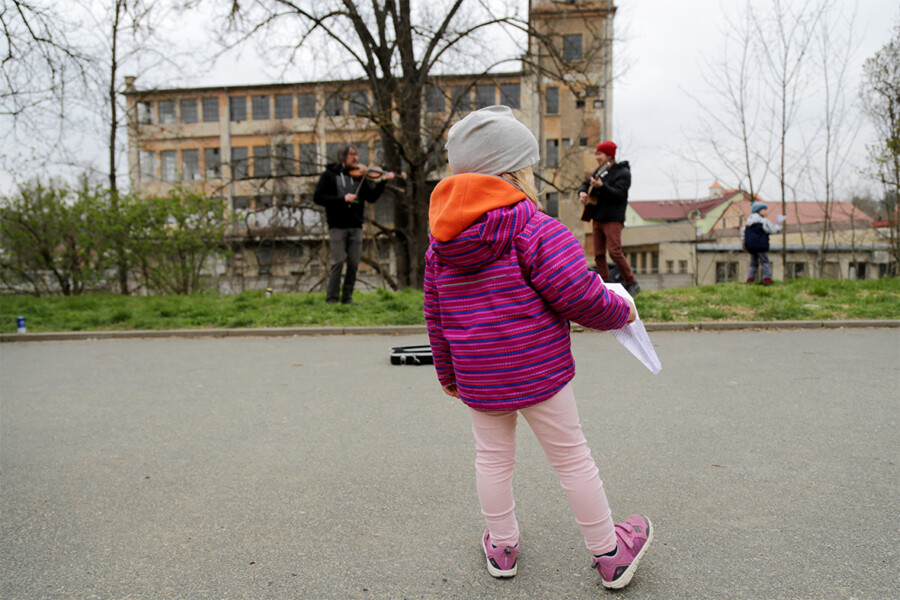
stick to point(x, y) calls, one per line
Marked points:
point(450, 390)
point(632, 311)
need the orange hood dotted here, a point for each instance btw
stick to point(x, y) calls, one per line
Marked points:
point(459, 200)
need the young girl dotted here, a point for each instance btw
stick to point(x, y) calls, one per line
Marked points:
point(502, 282)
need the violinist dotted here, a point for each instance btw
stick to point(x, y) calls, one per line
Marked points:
point(343, 189)
point(607, 190)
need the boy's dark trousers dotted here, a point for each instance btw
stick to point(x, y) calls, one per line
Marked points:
point(757, 259)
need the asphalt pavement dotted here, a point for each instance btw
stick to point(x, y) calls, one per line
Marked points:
point(309, 467)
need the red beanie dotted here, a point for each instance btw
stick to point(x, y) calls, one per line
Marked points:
point(607, 148)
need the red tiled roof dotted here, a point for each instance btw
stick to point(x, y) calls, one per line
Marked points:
point(673, 210)
point(811, 212)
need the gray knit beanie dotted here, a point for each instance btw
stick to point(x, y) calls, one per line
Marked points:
point(491, 141)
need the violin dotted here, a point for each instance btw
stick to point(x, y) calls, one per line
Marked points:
point(371, 172)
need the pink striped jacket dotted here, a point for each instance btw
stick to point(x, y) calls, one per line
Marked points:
point(498, 300)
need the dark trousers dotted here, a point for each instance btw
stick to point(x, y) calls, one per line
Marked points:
point(757, 260)
point(346, 246)
point(608, 238)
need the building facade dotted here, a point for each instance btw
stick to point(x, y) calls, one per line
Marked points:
point(261, 148)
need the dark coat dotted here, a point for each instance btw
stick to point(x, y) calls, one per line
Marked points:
point(333, 185)
point(755, 238)
point(612, 197)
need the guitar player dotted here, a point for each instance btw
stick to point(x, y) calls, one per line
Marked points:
point(609, 190)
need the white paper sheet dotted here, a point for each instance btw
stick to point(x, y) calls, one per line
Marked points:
point(634, 335)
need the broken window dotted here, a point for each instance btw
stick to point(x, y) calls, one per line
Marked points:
point(551, 158)
point(166, 111)
point(145, 113)
point(213, 162)
point(190, 165)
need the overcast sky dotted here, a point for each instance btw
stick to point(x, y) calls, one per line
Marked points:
point(667, 43)
point(664, 43)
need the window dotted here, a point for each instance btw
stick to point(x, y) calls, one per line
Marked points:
point(213, 163)
point(857, 270)
point(726, 271)
point(264, 259)
point(331, 151)
point(262, 166)
point(682, 266)
point(190, 165)
point(263, 202)
point(484, 96)
point(284, 159)
point(460, 99)
point(261, 110)
point(632, 261)
point(643, 262)
point(238, 109)
point(240, 203)
point(553, 204)
point(210, 110)
point(566, 142)
point(582, 141)
point(592, 90)
point(795, 270)
point(551, 101)
point(145, 113)
point(572, 47)
point(239, 163)
point(148, 165)
point(654, 262)
point(435, 101)
point(334, 105)
point(511, 95)
point(284, 106)
point(166, 111)
point(670, 266)
point(168, 160)
point(308, 163)
point(189, 110)
point(552, 154)
point(362, 152)
point(306, 105)
point(359, 102)
point(384, 210)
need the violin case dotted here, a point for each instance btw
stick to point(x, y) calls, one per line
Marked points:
point(412, 355)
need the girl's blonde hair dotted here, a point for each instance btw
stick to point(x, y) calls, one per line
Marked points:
point(521, 180)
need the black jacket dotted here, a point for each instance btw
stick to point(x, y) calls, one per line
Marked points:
point(612, 197)
point(333, 184)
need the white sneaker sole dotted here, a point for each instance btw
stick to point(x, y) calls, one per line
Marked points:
point(626, 577)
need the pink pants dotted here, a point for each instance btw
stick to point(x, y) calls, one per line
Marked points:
point(555, 423)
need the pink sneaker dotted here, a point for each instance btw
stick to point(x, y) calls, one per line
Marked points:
point(633, 537)
point(501, 560)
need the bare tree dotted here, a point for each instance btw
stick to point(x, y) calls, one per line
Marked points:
point(880, 95)
point(785, 34)
point(737, 135)
point(397, 50)
point(40, 66)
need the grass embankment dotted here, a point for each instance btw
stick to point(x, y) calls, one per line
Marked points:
point(801, 299)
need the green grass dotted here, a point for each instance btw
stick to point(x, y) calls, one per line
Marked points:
point(800, 299)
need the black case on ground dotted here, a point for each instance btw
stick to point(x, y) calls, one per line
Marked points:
point(411, 355)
